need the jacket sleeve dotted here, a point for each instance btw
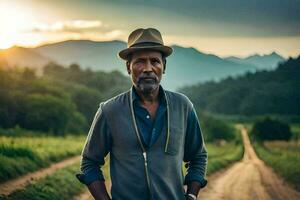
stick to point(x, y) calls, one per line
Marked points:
point(195, 153)
point(97, 146)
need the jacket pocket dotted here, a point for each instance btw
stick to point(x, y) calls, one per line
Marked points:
point(175, 140)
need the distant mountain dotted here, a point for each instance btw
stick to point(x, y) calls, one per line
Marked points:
point(92, 54)
point(269, 61)
point(23, 57)
point(188, 66)
point(184, 67)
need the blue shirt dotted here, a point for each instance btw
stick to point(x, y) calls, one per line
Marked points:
point(150, 128)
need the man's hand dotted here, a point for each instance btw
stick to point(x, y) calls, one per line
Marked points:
point(98, 190)
point(193, 188)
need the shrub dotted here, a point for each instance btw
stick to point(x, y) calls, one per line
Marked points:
point(271, 129)
point(216, 129)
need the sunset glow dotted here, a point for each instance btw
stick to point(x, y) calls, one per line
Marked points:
point(13, 21)
point(33, 23)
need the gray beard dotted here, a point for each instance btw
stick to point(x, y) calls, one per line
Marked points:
point(147, 87)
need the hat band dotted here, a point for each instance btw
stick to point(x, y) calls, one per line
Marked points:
point(146, 44)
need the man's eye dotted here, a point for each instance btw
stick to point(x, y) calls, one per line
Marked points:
point(138, 62)
point(156, 62)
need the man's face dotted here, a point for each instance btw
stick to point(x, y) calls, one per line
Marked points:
point(146, 68)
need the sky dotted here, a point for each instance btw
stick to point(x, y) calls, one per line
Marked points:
point(220, 27)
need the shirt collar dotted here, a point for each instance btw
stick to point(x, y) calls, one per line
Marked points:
point(161, 95)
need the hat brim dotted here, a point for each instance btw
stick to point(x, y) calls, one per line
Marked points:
point(164, 49)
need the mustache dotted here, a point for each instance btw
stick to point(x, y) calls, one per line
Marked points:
point(147, 76)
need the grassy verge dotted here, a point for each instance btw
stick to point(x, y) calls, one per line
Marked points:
point(295, 128)
point(20, 155)
point(61, 185)
point(284, 158)
point(222, 156)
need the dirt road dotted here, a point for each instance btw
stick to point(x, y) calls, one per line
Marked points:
point(8, 187)
point(249, 179)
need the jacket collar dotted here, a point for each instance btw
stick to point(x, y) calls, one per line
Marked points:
point(161, 95)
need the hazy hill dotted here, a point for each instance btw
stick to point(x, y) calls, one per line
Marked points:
point(269, 61)
point(186, 66)
point(95, 55)
point(189, 66)
point(23, 57)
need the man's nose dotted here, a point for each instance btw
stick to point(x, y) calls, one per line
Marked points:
point(148, 67)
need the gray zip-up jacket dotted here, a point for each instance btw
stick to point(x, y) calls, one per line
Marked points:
point(138, 173)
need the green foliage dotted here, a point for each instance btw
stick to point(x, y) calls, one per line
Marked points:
point(259, 93)
point(63, 100)
point(22, 154)
point(271, 129)
point(109, 84)
point(61, 185)
point(215, 129)
point(34, 103)
point(295, 128)
point(17, 131)
point(76, 124)
point(86, 100)
point(284, 158)
point(46, 113)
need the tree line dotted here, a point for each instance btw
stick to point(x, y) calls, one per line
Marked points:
point(258, 93)
point(62, 100)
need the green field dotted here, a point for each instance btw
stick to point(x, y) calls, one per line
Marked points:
point(284, 158)
point(20, 155)
point(295, 128)
point(61, 185)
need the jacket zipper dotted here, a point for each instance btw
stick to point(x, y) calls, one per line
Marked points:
point(142, 146)
point(147, 173)
point(140, 141)
point(168, 124)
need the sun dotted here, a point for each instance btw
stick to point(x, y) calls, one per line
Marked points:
point(13, 21)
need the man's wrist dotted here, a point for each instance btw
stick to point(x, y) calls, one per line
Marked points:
point(193, 189)
point(190, 196)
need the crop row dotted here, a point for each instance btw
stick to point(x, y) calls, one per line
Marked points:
point(21, 155)
point(284, 158)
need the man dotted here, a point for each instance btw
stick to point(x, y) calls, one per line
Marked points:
point(148, 132)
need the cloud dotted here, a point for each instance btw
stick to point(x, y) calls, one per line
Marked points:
point(75, 30)
point(73, 26)
point(235, 18)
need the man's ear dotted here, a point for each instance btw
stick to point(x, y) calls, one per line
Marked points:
point(165, 66)
point(128, 67)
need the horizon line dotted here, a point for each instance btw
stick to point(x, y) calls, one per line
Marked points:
point(174, 44)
